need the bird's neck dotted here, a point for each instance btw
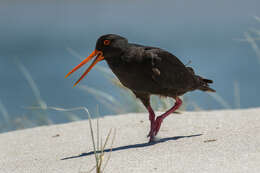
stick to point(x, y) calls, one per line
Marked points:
point(114, 61)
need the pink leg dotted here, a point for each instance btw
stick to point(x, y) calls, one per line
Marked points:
point(152, 121)
point(158, 122)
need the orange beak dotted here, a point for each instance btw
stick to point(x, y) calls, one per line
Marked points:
point(99, 57)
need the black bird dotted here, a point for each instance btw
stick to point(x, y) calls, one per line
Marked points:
point(145, 71)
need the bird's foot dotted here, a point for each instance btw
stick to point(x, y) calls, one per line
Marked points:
point(151, 133)
point(155, 127)
point(153, 139)
point(158, 123)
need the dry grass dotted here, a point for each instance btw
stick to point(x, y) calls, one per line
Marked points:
point(98, 145)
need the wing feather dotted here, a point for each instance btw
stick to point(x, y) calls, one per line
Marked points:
point(173, 73)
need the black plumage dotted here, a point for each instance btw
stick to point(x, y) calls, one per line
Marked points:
point(146, 71)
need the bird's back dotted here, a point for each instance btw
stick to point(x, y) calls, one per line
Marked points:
point(154, 71)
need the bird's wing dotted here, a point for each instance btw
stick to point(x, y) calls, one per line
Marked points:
point(163, 67)
point(174, 74)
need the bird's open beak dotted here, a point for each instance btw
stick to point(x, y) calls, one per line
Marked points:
point(99, 57)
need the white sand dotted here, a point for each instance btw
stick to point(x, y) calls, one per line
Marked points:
point(229, 142)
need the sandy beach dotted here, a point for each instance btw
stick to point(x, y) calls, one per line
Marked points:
point(210, 141)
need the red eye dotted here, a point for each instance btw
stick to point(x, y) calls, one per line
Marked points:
point(106, 42)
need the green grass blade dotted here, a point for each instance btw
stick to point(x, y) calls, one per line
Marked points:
point(109, 155)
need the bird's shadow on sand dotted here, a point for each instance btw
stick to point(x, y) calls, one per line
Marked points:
point(133, 146)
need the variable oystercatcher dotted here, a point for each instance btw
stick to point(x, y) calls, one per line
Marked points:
point(145, 71)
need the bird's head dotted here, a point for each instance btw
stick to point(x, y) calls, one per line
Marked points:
point(111, 45)
point(107, 46)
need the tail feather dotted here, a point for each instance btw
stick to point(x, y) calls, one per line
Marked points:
point(207, 80)
point(201, 83)
point(207, 89)
point(204, 84)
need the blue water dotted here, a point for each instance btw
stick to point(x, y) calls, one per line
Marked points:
point(39, 33)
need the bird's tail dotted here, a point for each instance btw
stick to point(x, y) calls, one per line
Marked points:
point(204, 84)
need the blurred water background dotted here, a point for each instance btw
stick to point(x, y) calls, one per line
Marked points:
point(44, 39)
